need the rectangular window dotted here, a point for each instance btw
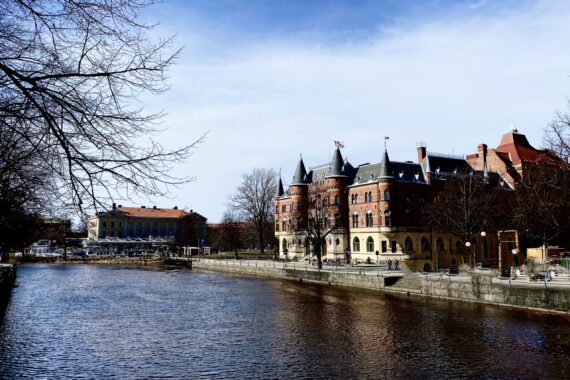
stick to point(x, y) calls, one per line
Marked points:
point(394, 246)
point(384, 246)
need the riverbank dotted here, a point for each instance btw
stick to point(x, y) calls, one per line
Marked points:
point(482, 288)
point(7, 276)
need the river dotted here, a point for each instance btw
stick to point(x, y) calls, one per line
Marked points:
point(117, 322)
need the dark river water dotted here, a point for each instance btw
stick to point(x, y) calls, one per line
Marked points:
point(114, 322)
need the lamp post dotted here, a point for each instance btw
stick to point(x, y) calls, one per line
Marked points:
point(514, 251)
point(483, 234)
point(468, 245)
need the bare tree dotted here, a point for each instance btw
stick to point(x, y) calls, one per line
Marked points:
point(541, 207)
point(231, 232)
point(314, 220)
point(463, 205)
point(71, 73)
point(557, 136)
point(253, 200)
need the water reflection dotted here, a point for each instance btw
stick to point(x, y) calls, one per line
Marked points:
point(121, 322)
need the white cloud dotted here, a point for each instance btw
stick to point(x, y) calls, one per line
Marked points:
point(453, 83)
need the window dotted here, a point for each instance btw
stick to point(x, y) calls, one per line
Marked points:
point(407, 216)
point(369, 244)
point(337, 241)
point(387, 218)
point(386, 195)
point(277, 226)
point(458, 248)
point(356, 244)
point(284, 226)
point(337, 200)
point(384, 246)
point(355, 220)
point(439, 245)
point(112, 224)
point(337, 220)
point(284, 208)
point(368, 197)
point(369, 219)
point(425, 244)
point(394, 246)
point(409, 244)
point(284, 245)
point(355, 198)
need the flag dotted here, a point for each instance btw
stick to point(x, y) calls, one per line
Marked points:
point(338, 144)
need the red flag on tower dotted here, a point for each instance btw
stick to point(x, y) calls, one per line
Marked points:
point(338, 144)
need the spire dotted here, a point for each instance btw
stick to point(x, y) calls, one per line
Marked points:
point(337, 165)
point(279, 192)
point(300, 174)
point(385, 167)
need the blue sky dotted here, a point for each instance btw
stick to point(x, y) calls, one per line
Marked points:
point(272, 79)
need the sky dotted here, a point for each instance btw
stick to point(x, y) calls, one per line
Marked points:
point(271, 80)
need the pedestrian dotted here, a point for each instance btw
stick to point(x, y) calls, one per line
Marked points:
point(389, 264)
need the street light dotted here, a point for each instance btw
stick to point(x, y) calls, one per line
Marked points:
point(483, 234)
point(468, 245)
point(514, 251)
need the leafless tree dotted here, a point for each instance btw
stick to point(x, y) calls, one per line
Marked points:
point(541, 207)
point(231, 231)
point(557, 136)
point(71, 75)
point(464, 205)
point(314, 219)
point(253, 200)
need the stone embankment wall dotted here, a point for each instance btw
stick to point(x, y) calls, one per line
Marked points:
point(488, 289)
point(331, 278)
point(471, 288)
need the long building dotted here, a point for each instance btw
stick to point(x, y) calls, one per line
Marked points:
point(374, 210)
point(171, 224)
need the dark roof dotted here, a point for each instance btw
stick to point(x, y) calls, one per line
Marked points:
point(279, 191)
point(299, 178)
point(385, 167)
point(337, 165)
point(399, 171)
point(442, 166)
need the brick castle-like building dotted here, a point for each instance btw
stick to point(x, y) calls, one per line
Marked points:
point(376, 208)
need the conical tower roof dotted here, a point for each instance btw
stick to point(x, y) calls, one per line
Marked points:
point(385, 167)
point(337, 165)
point(279, 192)
point(300, 176)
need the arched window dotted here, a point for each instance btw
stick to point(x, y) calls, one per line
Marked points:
point(337, 200)
point(369, 244)
point(356, 244)
point(284, 226)
point(365, 197)
point(407, 216)
point(439, 244)
point(425, 244)
point(284, 245)
point(369, 219)
point(458, 247)
point(386, 195)
point(409, 244)
point(355, 198)
point(337, 241)
point(387, 218)
point(352, 199)
point(355, 220)
point(370, 197)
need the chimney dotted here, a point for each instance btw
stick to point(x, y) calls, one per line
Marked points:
point(114, 205)
point(119, 206)
point(143, 206)
point(154, 207)
point(176, 207)
point(422, 151)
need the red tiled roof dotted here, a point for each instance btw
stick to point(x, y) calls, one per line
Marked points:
point(517, 145)
point(139, 212)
